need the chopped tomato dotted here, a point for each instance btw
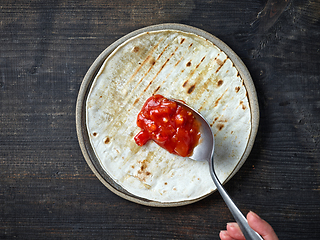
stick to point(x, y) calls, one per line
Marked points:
point(170, 125)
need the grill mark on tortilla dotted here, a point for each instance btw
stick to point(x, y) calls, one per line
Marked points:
point(129, 96)
point(149, 84)
point(219, 99)
point(214, 120)
point(204, 84)
point(201, 61)
point(190, 90)
point(164, 50)
point(185, 83)
point(219, 126)
point(149, 54)
point(208, 100)
point(165, 63)
point(145, 60)
point(179, 77)
point(147, 72)
point(172, 54)
point(221, 64)
point(179, 61)
point(242, 105)
point(192, 72)
point(167, 76)
point(157, 89)
point(138, 84)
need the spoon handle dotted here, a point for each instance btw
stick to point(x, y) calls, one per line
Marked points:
point(247, 231)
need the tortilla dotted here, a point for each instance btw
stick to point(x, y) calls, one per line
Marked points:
point(176, 65)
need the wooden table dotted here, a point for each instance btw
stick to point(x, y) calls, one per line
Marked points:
point(47, 189)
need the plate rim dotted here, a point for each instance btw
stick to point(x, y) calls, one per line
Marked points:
point(88, 79)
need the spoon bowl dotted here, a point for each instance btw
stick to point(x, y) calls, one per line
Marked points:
point(204, 151)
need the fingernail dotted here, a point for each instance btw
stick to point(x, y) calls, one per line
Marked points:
point(255, 215)
point(232, 224)
point(223, 233)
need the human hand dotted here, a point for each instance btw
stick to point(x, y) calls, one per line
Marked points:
point(233, 231)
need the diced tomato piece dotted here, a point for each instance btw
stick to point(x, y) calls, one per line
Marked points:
point(142, 138)
point(182, 149)
point(168, 124)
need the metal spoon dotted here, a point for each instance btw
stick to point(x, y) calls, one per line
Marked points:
point(204, 151)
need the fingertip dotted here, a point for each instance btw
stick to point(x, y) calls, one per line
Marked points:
point(234, 231)
point(253, 215)
point(261, 226)
point(224, 235)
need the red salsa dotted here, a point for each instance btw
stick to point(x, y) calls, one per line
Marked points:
point(170, 125)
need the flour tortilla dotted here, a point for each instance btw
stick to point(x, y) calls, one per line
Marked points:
point(176, 65)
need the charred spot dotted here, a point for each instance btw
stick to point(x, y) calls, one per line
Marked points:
point(143, 165)
point(132, 166)
point(238, 74)
point(220, 82)
point(136, 49)
point(190, 45)
point(152, 61)
point(94, 134)
point(100, 96)
point(165, 183)
point(107, 140)
point(136, 101)
point(182, 40)
point(220, 126)
point(237, 89)
point(219, 62)
point(188, 64)
point(201, 61)
point(242, 105)
point(142, 173)
point(217, 101)
point(157, 89)
point(165, 63)
point(190, 90)
point(185, 83)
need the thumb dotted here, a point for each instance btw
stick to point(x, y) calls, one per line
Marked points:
point(261, 226)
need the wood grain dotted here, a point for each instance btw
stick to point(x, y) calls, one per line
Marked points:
point(46, 189)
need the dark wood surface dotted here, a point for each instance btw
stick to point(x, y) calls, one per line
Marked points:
point(47, 190)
